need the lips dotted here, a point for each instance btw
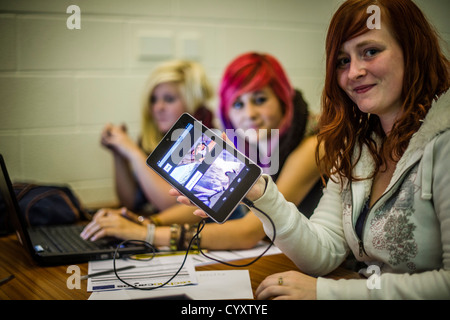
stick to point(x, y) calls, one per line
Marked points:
point(363, 89)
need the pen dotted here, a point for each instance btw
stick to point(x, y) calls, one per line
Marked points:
point(101, 273)
point(144, 256)
point(5, 280)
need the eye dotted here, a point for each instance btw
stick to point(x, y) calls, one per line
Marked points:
point(371, 52)
point(169, 99)
point(238, 105)
point(259, 100)
point(342, 62)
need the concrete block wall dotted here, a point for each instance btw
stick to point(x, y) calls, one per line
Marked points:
point(58, 87)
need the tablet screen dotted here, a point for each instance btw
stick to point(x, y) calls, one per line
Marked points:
point(203, 167)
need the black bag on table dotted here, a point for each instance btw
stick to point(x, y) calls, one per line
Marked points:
point(48, 204)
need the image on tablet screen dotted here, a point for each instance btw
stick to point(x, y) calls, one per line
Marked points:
point(206, 170)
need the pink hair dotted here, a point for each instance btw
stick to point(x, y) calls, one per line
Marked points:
point(251, 72)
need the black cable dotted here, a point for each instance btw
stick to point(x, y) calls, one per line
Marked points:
point(251, 205)
point(148, 244)
point(199, 229)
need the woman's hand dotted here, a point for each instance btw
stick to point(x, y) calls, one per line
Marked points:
point(184, 200)
point(291, 285)
point(112, 223)
point(255, 193)
point(117, 139)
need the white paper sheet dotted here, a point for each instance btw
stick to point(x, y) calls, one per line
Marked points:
point(145, 274)
point(212, 285)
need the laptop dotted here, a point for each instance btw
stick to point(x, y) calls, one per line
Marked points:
point(57, 244)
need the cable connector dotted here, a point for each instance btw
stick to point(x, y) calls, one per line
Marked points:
point(248, 203)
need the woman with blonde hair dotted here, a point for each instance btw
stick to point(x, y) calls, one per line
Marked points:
point(173, 88)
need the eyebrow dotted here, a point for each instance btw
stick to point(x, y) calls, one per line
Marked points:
point(363, 44)
point(260, 91)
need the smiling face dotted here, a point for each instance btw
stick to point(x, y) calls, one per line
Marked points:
point(257, 110)
point(370, 69)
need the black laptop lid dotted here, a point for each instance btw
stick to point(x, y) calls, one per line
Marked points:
point(10, 205)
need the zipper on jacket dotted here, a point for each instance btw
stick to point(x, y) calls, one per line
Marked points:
point(361, 248)
point(362, 251)
point(360, 242)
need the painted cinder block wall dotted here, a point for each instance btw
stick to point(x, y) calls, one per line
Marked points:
point(58, 87)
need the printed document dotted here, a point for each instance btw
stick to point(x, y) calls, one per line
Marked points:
point(145, 274)
point(212, 285)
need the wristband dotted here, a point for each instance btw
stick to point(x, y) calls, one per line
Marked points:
point(150, 233)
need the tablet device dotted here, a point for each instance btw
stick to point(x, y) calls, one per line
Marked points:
point(202, 166)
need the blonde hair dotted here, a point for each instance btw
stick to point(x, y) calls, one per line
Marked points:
point(195, 91)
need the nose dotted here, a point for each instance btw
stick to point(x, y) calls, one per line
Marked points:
point(250, 110)
point(357, 69)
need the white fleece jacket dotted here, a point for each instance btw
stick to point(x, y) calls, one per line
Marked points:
point(406, 235)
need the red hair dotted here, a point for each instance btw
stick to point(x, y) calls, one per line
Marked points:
point(251, 72)
point(342, 124)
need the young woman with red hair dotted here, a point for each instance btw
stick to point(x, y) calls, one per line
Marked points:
point(385, 132)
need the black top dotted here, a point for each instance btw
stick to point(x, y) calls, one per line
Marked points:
point(289, 141)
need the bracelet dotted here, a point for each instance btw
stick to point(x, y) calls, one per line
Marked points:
point(187, 236)
point(181, 237)
point(196, 243)
point(174, 233)
point(150, 233)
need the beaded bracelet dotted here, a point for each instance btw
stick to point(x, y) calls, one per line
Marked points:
point(196, 243)
point(181, 238)
point(174, 233)
point(189, 233)
point(181, 235)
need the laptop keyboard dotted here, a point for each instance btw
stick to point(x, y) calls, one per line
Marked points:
point(67, 239)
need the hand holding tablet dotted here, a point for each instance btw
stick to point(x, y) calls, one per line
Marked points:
point(253, 194)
